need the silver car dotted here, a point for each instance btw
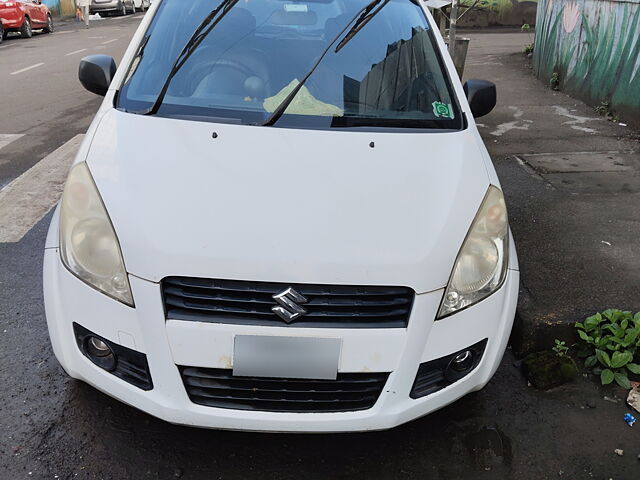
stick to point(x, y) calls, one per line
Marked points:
point(117, 7)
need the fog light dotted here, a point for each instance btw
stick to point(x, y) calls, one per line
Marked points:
point(122, 362)
point(98, 348)
point(100, 353)
point(462, 361)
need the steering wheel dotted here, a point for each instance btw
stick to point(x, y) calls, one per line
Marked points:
point(245, 82)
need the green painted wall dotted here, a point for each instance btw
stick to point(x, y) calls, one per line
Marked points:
point(594, 47)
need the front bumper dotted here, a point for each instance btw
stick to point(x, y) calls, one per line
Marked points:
point(105, 7)
point(170, 343)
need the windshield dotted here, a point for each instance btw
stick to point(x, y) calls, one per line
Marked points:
point(389, 74)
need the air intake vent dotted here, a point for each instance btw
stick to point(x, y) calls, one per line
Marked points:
point(219, 388)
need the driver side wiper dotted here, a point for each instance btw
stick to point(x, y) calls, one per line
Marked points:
point(204, 29)
point(363, 16)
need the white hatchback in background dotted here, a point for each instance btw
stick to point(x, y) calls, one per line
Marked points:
point(282, 218)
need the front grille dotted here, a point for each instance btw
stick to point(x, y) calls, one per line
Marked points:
point(250, 303)
point(219, 388)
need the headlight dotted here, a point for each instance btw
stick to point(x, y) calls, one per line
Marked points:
point(481, 265)
point(89, 247)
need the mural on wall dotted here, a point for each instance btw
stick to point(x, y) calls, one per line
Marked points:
point(594, 48)
point(61, 7)
point(54, 6)
point(499, 12)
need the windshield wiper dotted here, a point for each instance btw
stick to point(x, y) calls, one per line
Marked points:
point(136, 60)
point(363, 17)
point(369, 12)
point(208, 24)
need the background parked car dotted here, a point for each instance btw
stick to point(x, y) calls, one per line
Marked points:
point(113, 7)
point(24, 16)
point(142, 5)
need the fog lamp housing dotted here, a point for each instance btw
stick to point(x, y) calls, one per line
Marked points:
point(127, 364)
point(462, 361)
point(99, 352)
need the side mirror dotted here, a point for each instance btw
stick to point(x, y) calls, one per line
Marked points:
point(96, 72)
point(481, 95)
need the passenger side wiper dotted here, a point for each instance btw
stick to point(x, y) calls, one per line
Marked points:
point(369, 12)
point(205, 28)
point(363, 17)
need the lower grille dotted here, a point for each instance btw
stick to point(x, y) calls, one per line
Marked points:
point(219, 388)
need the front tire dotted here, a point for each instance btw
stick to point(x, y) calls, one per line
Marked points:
point(123, 10)
point(49, 27)
point(25, 29)
point(1, 33)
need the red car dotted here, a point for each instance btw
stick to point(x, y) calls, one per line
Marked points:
point(24, 16)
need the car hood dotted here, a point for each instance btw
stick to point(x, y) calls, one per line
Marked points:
point(287, 205)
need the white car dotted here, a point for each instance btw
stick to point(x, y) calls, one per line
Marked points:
point(282, 218)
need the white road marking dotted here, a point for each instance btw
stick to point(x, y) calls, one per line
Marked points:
point(75, 51)
point(27, 69)
point(110, 41)
point(95, 38)
point(517, 124)
point(10, 45)
point(67, 31)
point(26, 200)
point(7, 138)
point(576, 120)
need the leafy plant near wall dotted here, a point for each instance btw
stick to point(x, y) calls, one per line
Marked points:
point(560, 348)
point(604, 109)
point(528, 49)
point(554, 81)
point(610, 342)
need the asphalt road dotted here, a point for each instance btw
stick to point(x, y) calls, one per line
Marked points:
point(42, 98)
point(53, 427)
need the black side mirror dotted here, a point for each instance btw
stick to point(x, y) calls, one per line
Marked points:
point(481, 95)
point(96, 72)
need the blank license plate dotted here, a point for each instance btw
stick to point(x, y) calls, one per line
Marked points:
point(286, 357)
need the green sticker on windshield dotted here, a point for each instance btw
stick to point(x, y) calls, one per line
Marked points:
point(442, 110)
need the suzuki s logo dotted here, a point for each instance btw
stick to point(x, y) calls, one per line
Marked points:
point(290, 308)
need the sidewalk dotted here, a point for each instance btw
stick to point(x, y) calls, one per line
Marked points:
point(572, 182)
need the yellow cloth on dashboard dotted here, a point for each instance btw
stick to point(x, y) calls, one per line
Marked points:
point(303, 104)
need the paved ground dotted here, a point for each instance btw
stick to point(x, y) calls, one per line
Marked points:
point(572, 181)
point(51, 427)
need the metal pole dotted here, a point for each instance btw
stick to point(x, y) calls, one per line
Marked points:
point(452, 28)
point(443, 22)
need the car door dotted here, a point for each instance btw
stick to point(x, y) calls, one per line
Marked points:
point(32, 10)
point(42, 12)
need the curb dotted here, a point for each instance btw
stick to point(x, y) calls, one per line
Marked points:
point(532, 332)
